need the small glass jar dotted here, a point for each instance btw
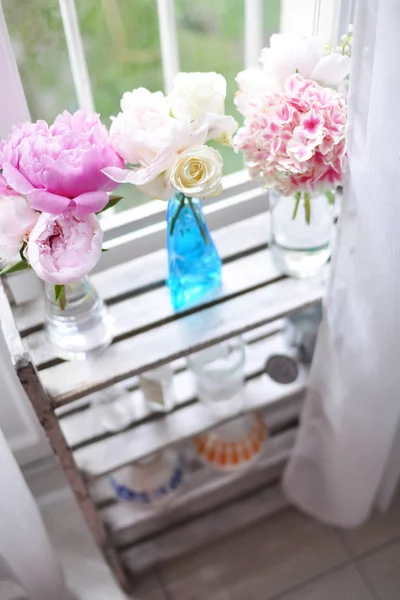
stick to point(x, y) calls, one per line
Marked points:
point(83, 328)
point(301, 232)
point(219, 375)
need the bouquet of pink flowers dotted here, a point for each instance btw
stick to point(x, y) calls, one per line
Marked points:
point(294, 129)
point(52, 185)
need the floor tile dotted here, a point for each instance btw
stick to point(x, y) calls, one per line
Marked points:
point(383, 571)
point(265, 559)
point(345, 584)
point(380, 528)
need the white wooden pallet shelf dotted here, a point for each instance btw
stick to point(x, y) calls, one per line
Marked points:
point(252, 301)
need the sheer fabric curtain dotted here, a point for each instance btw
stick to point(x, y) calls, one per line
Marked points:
point(347, 456)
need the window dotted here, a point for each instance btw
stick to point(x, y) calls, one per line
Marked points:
point(88, 52)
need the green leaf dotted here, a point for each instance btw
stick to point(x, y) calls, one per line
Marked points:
point(19, 266)
point(59, 294)
point(105, 249)
point(330, 196)
point(113, 201)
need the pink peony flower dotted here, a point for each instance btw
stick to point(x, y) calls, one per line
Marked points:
point(295, 139)
point(63, 248)
point(60, 166)
point(16, 221)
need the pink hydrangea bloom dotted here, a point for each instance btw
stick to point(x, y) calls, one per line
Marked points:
point(63, 248)
point(295, 139)
point(60, 166)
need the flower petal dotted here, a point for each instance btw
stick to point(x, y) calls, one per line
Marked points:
point(47, 202)
point(331, 69)
point(158, 189)
point(16, 180)
point(89, 203)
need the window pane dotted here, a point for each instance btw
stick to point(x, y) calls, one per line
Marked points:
point(37, 33)
point(211, 38)
point(122, 46)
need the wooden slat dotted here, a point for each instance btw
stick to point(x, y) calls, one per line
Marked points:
point(69, 381)
point(107, 455)
point(81, 427)
point(202, 491)
point(151, 309)
point(136, 275)
point(204, 530)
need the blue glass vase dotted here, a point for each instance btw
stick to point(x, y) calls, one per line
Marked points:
point(193, 261)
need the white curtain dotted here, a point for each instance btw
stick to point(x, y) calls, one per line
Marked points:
point(347, 456)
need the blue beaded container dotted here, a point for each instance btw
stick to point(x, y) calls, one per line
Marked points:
point(193, 261)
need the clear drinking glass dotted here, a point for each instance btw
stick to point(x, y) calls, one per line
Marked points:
point(219, 375)
point(300, 248)
point(83, 327)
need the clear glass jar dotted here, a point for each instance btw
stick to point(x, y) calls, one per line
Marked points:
point(83, 328)
point(219, 375)
point(301, 232)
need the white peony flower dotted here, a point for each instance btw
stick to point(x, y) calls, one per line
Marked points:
point(17, 219)
point(201, 98)
point(145, 134)
point(197, 172)
point(289, 54)
point(196, 94)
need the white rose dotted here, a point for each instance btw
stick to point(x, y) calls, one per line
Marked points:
point(196, 94)
point(197, 172)
point(17, 219)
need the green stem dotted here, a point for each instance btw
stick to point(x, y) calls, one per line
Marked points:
point(176, 215)
point(297, 197)
point(199, 223)
point(307, 207)
point(60, 296)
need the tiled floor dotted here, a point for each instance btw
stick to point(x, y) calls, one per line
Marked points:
point(285, 557)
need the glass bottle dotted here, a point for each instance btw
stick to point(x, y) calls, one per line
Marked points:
point(193, 261)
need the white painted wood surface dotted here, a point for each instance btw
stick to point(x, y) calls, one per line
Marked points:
point(81, 427)
point(153, 308)
point(253, 32)
point(68, 381)
point(202, 491)
point(130, 278)
point(168, 41)
point(76, 53)
point(205, 529)
point(107, 455)
point(17, 417)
